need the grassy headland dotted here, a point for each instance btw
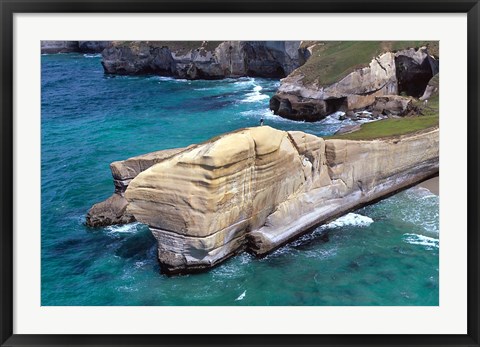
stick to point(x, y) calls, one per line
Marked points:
point(332, 60)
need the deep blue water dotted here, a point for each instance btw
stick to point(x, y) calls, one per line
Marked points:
point(90, 120)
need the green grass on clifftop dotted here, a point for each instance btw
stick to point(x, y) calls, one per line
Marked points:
point(390, 128)
point(332, 60)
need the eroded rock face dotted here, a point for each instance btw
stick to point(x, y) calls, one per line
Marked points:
point(113, 210)
point(393, 105)
point(355, 91)
point(205, 60)
point(407, 72)
point(258, 188)
point(109, 212)
point(414, 68)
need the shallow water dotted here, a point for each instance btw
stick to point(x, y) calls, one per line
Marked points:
point(383, 254)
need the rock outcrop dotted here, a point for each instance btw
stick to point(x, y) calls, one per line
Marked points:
point(202, 60)
point(258, 188)
point(432, 88)
point(51, 47)
point(113, 210)
point(304, 98)
point(393, 105)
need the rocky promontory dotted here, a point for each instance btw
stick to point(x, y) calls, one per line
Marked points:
point(203, 59)
point(258, 188)
point(349, 76)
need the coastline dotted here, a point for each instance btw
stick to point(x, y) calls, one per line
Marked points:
point(431, 184)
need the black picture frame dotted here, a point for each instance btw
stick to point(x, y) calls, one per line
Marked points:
point(10, 7)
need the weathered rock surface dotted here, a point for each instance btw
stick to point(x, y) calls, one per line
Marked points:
point(258, 188)
point(109, 212)
point(52, 47)
point(113, 210)
point(93, 46)
point(404, 72)
point(393, 105)
point(202, 60)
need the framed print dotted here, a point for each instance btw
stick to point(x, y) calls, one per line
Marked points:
point(193, 173)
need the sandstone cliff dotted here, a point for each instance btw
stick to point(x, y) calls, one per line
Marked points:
point(114, 209)
point(343, 76)
point(258, 188)
point(202, 60)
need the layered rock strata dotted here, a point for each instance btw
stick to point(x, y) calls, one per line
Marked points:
point(202, 60)
point(113, 210)
point(405, 72)
point(258, 188)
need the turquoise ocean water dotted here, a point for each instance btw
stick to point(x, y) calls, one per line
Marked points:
point(383, 254)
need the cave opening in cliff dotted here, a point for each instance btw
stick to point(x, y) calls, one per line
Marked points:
point(412, 76)
point(336, 104)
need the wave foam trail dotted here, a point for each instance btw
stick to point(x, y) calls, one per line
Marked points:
point(350, 219)
point(124, 228)
point(415, 239)
point(98, 55)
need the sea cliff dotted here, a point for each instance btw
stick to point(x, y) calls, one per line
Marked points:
point(257, 188)
point(202, 59)
point(349, 76)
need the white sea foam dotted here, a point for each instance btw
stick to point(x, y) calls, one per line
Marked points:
point(163, 78)
point(98, 55)
point(255, 96)
point(350, 219)
point(257, 88)
point(241, 296)
point(124, 228)
point(330, 120)
point(415, 239)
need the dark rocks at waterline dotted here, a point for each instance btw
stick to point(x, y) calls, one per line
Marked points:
point(109, 212)
point(52, 47)
point(93, 46)
point(202, 59)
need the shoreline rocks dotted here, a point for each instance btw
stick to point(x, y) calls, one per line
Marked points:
point(258, 188)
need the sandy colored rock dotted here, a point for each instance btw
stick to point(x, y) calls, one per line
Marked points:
point(258, 188)
point(113, 210)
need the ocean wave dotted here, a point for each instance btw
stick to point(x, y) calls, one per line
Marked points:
point(242, 81)
point(255, 97)
point(422, 240)
point(97, 55)
point(350, 219)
